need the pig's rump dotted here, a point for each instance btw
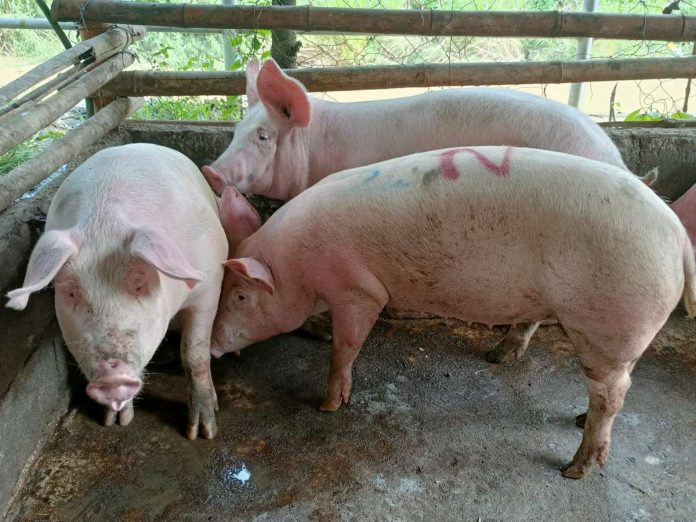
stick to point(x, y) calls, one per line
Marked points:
point(499, 235)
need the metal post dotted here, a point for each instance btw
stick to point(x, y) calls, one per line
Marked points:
point(229, 51)
point(583, 52)
point(89, 104)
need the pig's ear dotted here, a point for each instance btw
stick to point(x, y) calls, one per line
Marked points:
point(283, 95)
point(239, 218)
point(252, 269)
point(214, 178)
point(51, 252)
point(161, 252)
point(252, 71)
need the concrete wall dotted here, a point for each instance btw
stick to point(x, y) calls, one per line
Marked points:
point(34, 377)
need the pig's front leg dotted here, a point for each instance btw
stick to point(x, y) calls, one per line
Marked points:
point(351, 326)
point(514, 344)
point(195, 356)
point(124, 417)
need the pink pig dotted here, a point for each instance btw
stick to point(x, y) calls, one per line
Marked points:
point(133, 237)
point(288, 140)
point(685, 208)
point(495, 235)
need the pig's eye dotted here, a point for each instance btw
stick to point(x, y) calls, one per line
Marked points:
point(264, 136)
point(241, 298)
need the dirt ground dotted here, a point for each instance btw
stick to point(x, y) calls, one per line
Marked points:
point(433, 432)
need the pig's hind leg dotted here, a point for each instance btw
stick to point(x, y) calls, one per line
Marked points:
point(608, 379)
point(195, 357)
point(513, 345)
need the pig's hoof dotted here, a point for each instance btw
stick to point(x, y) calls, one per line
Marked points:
point(125, 416)
point(502, 353)
point(575, 472)
point(110, 417)
point(329, 405)
point(580, 420)
point(207, 430)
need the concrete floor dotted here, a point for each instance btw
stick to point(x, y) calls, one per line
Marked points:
point(433, 433)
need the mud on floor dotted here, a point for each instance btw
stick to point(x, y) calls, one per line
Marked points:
point(432, 431)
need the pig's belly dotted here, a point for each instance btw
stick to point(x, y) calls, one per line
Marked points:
point(468, 301)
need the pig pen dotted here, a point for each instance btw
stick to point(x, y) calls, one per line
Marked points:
point(433, 430)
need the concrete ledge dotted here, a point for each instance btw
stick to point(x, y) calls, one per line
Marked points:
point(643, 147)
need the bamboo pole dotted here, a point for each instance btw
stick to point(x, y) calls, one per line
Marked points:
point(97, 48)
point(32, 172)
point(146, 83)
point(383, 21)
point(25, 124)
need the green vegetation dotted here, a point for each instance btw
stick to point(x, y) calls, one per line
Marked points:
point(22, 152)
point(640, 115)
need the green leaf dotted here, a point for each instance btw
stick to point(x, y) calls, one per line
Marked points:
point(633, 116)
point(679, 115)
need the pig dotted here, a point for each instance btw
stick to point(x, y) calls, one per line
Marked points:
point(685, 208)
point(495, 235)
point(133, 238)
point(288, 140)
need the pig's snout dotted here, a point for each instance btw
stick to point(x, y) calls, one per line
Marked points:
point(229, 173)
point(114, 390)
point(216, 350)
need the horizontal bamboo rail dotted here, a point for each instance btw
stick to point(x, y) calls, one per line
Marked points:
point(146, 83)
point(95, 49)
point(383, 21)
point(25, 124)
point(58, 153)
point(41, 24)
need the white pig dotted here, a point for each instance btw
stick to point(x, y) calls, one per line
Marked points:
point(288, 140)
point(133, 237)
point(496, 235)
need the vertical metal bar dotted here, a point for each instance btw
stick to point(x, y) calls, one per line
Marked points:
point(47, 13)
point(583, 52)
point(89, 104)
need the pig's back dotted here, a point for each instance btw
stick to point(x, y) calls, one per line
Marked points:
point(481, 117)
point(145, 183)
point(445, 228)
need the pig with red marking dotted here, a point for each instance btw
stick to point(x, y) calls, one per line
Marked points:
point(288, 140)
point(495, 235)
point(133, 238)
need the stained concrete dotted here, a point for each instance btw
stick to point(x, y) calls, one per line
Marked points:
point(432, 432)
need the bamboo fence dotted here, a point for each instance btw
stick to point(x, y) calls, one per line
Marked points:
point(554, 24)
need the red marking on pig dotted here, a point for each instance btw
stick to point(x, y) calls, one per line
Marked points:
point(449, 170)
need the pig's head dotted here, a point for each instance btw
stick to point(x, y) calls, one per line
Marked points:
point(243, 316)
point(278, 105)
point(109, 301)
point(247, 284)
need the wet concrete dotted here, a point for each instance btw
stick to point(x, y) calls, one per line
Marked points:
point(432, 431)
